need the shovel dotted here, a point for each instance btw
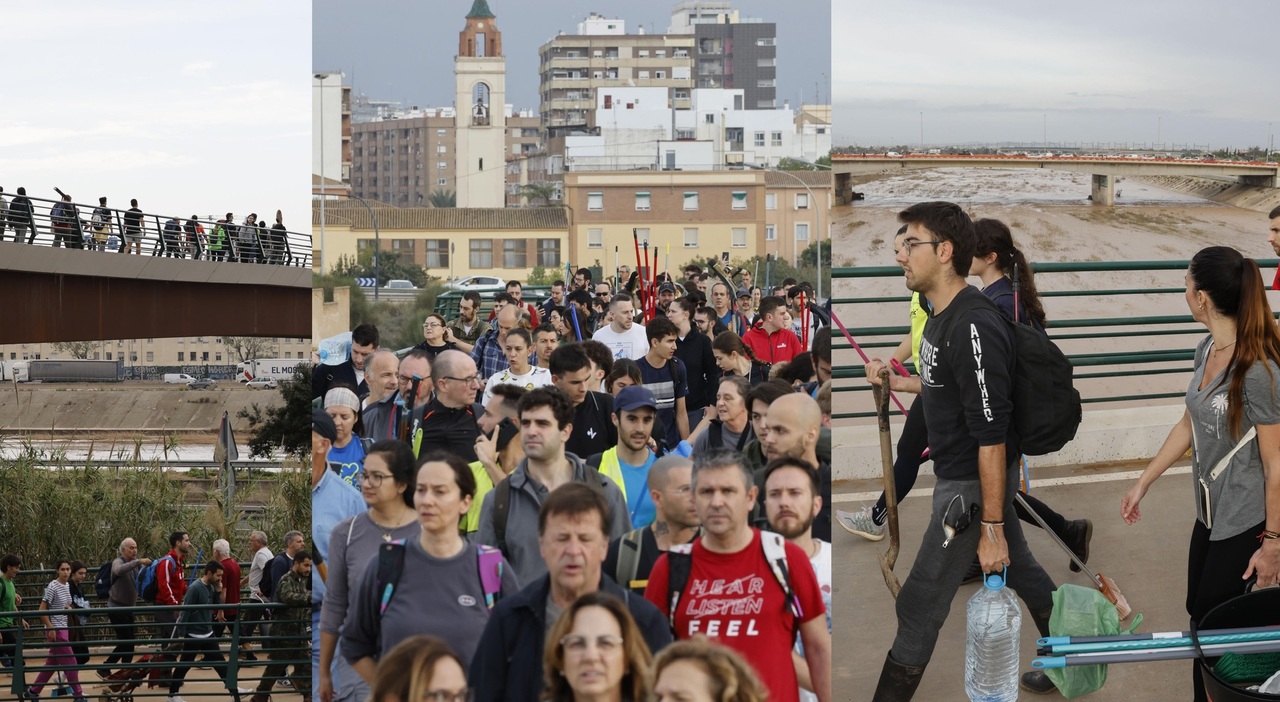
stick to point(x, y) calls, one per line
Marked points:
point(889, 558)
point(1105, 585)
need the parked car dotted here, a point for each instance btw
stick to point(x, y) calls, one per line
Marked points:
point(203, 384)
point(401, 285)
point(479, 283)
point(176, 378)
point(262, 384)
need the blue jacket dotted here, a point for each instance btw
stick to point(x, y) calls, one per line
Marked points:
point(507, 666)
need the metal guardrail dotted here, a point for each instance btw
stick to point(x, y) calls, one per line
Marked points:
point(72, 225)
point(1161, 354)
point(162, 649)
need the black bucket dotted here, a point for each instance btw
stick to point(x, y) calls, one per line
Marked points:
point(1258, 608)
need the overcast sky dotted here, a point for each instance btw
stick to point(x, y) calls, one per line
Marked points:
point(403, 49)
point(1099, 70)
point(193, 107)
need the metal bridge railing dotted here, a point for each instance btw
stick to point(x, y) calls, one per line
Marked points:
point(1128, 343)
point(58, 224)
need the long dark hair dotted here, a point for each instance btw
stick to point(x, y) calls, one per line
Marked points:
point(993, 237)
point(1234, 286)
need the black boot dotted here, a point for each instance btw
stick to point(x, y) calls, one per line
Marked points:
point(898, 682)
point(1077, 536)
point(1036, 680)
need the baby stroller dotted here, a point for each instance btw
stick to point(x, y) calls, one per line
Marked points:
point(119, 686)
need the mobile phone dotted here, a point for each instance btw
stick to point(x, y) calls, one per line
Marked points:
point(724, 256)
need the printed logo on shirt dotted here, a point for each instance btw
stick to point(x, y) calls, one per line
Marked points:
point(975, 342)
point(717, 608)
point(928, 361)
point(466, 600)
point(591, 432)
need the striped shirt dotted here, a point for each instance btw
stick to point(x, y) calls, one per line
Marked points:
point(57, 598)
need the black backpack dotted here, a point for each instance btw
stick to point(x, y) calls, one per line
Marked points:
point(1046, 406)
point(102, 582)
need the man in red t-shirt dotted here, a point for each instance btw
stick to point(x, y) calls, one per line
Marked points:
point(1274, 240)
point(770, 339)
point(732, 594)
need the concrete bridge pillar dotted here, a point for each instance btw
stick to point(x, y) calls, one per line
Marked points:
point(1260, 181)
point(1104, 190)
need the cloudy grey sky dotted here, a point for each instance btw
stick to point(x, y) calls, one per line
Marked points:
point(1100, 70)
point(194, 107)
point(403, 49)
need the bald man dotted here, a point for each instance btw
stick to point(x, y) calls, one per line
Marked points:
point(448, 421)
point(379, 412)
point(793, 425)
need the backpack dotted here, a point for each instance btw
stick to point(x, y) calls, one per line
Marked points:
point(715, 439)
point(391, 566)
point(680, 565)
point(148, 580)
point(103, 581)
point(502, 506)
point(1046, 406)
point(99, 220)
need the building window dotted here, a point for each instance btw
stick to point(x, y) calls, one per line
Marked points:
point(740, 200)
point(770, 232)
point(217, 358)
point(515, 253)
point(643, 75)
point(691, 201)
point(767, 41)
point(771, 201)
point(802, 201)
point(442, 149)
point(437, 253)
point(777, 139)
point(643, 235)
point(759, 138)
point(659, 75)
point(681, 95)
point(691, 238)
point(180, 357)
point(549, 253)
point(440, 132)
point(481, 254)
point(204, 356)
point(642, 202)
point(442, 165)
point(739, 240)
point(442, 181)
point(151, 357)
point(595, 202)
point(595, 238)
point(802, 231)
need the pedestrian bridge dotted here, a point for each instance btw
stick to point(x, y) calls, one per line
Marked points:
point(851, 169)
point(60, 282)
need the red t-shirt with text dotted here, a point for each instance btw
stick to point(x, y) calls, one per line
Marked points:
point(734, 599)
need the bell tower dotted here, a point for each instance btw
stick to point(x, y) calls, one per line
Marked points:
point(480, 74)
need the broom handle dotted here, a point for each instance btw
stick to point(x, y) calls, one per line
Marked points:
point(1018, 496)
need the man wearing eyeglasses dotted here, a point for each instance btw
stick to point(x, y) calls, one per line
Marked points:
point(965, 382)
point(448, 421)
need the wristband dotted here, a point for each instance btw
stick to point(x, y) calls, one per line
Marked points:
point(1268, 535)
point(994, 524)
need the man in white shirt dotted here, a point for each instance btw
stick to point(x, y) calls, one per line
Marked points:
point(262, 556)
point(623, 336)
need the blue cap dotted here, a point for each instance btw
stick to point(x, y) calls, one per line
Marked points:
point(634, 397)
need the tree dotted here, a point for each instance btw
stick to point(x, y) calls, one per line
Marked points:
point(283, 426)
point(541, 275)
point(808, 259)
point(249, 348)
point(443, 198)
point(77, 349)
point(390, 267)
point(546, 192)
point(792, 164)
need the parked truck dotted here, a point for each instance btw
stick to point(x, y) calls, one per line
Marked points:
point(277, 369)
point(70, 371)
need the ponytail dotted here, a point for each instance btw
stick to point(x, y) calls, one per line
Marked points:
point(728, 342)
point(1027, 293)
point(992, 236)
point(1257, 340)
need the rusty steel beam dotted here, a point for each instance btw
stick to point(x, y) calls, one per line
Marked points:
point(40, 307)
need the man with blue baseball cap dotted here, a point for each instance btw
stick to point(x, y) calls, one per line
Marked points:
point(634, 411)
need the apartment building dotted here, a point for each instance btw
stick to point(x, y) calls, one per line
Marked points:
point(797, 206)
point(452, 242)
point(202, 350)
point(331, 126)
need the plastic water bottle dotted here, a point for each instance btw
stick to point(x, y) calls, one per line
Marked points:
point(991, 648)
point(335, 350)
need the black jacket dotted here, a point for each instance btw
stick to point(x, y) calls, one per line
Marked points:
point(507, 665)
point(342, 374)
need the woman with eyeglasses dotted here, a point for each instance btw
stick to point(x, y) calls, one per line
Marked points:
point(420, 669)
point(436, 583)
point(1232, 428)
point(700, 671)
point(387, 488)
point(434, 337)
point(56, 603)
point(347, 453)
point(595, 653)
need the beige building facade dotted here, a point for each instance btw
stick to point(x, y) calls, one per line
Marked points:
point(452, 242)
point(158, 352)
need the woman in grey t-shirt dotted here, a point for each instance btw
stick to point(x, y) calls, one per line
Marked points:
point(1234, 389)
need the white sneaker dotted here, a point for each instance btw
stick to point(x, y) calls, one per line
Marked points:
point(860, 523)
point(174, 698)
point(244, 691)
point(284, 683)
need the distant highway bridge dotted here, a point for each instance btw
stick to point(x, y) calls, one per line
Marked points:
point(851, 169)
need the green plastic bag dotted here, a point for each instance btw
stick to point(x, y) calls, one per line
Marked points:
point(1083, 611)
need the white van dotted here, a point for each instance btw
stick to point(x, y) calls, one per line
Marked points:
point(181, 378)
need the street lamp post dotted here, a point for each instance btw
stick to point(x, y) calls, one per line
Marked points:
point(377, 242)
point(817, 222)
